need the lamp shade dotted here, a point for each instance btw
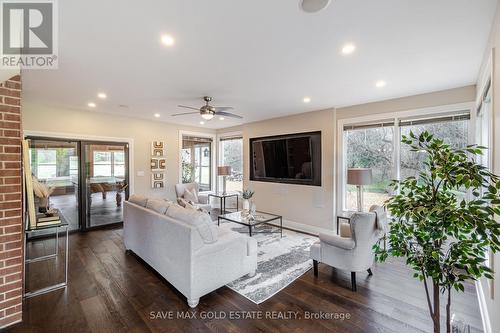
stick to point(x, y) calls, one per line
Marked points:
point(359, 176)
point(224, 170)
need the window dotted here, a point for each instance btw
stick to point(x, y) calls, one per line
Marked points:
point(196, 156)
point(377, 146)
point(46, 163)
point(453, 130)
point(231, 154)
point(370, 147)
point(109, 164)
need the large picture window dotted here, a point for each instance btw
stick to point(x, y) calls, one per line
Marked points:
point(377, 146)
point(231, 154)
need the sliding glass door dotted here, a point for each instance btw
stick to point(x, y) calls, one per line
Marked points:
point(55, 168)
point(105, 182)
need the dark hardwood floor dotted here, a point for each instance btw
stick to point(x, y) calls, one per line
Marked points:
point(111, 291)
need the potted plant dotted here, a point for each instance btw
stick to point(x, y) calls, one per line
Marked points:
point(444, 237)
point(247, 195)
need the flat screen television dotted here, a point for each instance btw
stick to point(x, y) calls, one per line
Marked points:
point(290, 158)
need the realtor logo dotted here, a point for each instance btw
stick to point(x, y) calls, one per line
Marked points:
point(29, 34)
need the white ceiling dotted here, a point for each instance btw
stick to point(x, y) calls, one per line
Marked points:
point(260, 56)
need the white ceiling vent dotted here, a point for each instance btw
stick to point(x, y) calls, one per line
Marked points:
point(313, 6)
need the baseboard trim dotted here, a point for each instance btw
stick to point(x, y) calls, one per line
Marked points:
point(483, 308)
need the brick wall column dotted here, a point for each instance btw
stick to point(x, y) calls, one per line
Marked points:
point(11, 249)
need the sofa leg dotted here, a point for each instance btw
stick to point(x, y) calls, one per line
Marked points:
point(315, 267)
point(369, 270)
point(193, 302)
point(353, 281)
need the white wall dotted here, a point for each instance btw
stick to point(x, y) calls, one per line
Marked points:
point(90, 124)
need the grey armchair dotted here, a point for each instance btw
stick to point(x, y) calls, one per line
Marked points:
point(352, 249)
point(202, 197)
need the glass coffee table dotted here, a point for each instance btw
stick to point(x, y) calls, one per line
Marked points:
point(251, 221)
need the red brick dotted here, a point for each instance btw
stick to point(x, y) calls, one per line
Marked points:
point(12, 85)
point(14, 277)
point(9, 221)
point(12, 180)
point(10, 124)
point(15, 247)
point(10, 188)
point(12, 149)
point(11, 117)
point(9, 320)
point(10, 92)
point(11, 134)
point(12, 165)
point(10, 108)
point(11, 101)
point(12, 197)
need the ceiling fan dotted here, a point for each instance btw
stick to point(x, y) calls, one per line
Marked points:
point(208, 111)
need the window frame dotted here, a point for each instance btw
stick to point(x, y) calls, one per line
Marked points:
point(389, 117)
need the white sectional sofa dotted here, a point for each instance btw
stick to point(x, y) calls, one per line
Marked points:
point(186, 247)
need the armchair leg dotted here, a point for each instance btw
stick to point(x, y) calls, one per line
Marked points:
point(369, 270)
point(353, 281)
point(315, 267)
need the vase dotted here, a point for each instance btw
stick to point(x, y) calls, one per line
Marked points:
point(246, 205)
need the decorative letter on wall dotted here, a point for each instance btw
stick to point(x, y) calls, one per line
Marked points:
point(158, 164)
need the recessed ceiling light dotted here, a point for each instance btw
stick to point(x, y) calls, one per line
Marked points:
point(313, 6)
point(307, 99)
point(157, 115)
point(91, 105)
point(380, 84)
point(102, 95)
point(348, 48)
point(221, 118)
point(202, 122)
point(167, 40)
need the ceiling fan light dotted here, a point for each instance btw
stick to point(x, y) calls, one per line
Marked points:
point(207, 116)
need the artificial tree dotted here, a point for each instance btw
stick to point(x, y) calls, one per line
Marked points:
point(444, 236)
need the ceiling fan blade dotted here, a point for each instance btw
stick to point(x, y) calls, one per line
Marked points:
point(227, 114)
point(223, 108)
point(188, 107)
point(185, 113)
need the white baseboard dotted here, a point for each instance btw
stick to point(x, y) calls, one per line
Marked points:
point(483, 308)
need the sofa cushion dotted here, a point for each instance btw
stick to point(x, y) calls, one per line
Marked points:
point(158, 205)
point(138, 199)
point(201, 221)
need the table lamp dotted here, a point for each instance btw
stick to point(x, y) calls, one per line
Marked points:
point(359, 177)
point(224, 171)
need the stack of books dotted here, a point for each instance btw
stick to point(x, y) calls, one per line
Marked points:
point(43, 220)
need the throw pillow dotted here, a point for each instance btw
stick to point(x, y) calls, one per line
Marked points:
point(158, 205)
point(190, 195)
point(138, 199)
point(201, 221)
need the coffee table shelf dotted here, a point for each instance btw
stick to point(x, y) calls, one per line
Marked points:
point(251, 221)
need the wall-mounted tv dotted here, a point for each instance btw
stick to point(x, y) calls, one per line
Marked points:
point(290, 158)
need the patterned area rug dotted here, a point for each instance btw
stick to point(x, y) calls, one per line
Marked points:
point(280, 261)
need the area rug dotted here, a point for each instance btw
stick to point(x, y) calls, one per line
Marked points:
point(280, 261)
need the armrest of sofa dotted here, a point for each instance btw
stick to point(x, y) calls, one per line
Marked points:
point(227, 241)
point(337, 241)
